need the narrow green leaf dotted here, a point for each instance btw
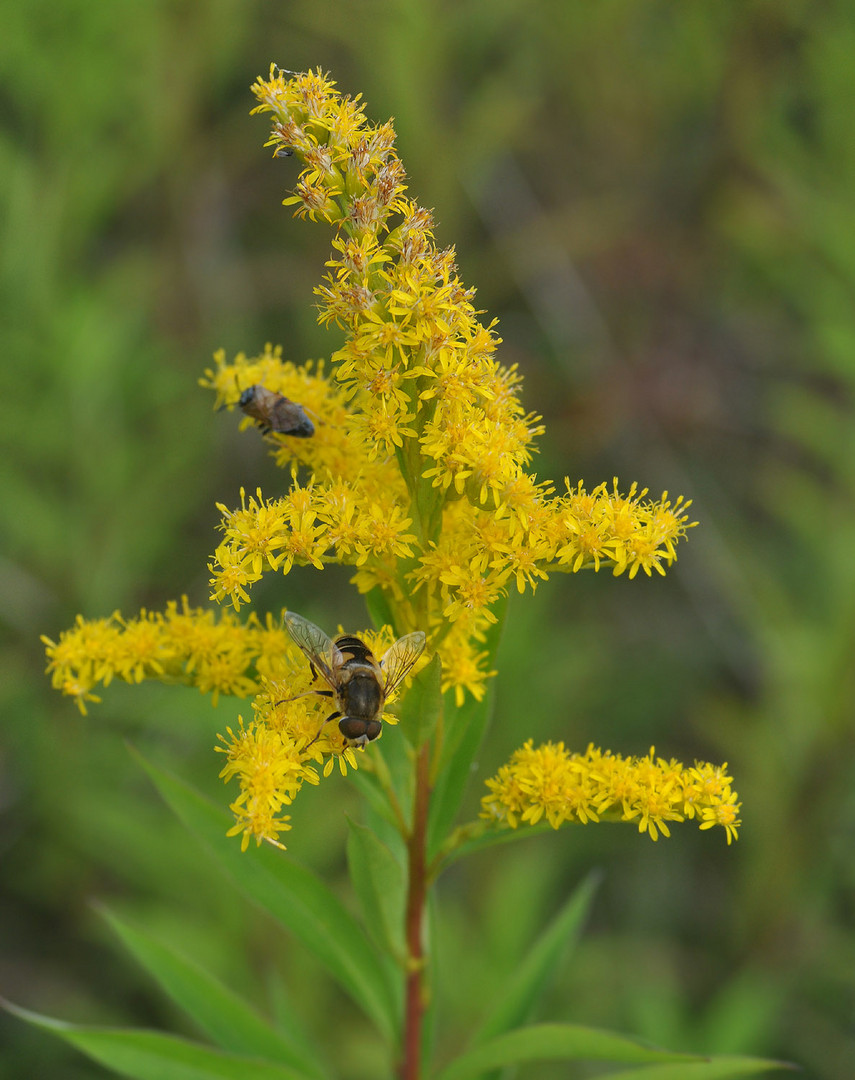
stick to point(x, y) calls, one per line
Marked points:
point(429, 499)
point(378, 879)
point(368, 786)
point(393, 758)
point(522, 990)
point(286, 1018)
point(422, 704)
point(718, 1068)
point(556, 1042)
point(490, 837)
point(225, 1018)
point(296, 897)
point(463, 731)
point(151, 1055)
point(379, 609)
point(386, 827)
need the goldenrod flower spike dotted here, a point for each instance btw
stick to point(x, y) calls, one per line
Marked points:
point(271, 772)
point(418, 475)
point(414, 466)
point(182, 644)
point(550, 782)
point(420, 462)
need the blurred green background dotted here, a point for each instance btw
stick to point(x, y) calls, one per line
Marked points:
point(657, 202)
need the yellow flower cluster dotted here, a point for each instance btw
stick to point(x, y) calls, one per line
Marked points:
point(418, 472)
point(276, 752)
point(219, 654)
point(332, 453)
point(271, 772)
point(549, 781)
point(418, 476)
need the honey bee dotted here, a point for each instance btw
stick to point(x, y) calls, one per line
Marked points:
point(275, 412)
point(357, 682)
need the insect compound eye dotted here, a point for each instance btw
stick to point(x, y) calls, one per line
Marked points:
point(247, 396)
point(353, 728)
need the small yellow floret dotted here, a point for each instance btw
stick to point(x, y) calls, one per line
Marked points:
point(549, 781)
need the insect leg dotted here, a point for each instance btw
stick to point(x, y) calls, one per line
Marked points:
point(306, 693)
point(332, 716)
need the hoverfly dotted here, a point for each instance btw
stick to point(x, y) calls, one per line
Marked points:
point(357, 682)
point(275, 412)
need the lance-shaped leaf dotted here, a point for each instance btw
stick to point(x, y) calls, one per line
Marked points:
point(378, 879)
point(718, 1068)
point(225, 1018)
point(520, 993)
point(295, 897)
point(379, 609)
point(151, 1055)
point(422, 704)
point(478, 835)
point(391, 761)
point(555, 1042)
point(368, 786)
point(463, 731)
point(468, 725)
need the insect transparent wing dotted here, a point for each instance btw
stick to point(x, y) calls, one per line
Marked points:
point(320, 649)
point(400, 657)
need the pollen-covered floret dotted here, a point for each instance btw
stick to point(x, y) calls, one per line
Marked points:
point(291, 740)
point(550, 782)
point(271, 771)
point(215, 652)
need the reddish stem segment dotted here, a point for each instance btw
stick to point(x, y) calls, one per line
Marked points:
point(416, 897)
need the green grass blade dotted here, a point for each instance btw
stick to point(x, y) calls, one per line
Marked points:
point(151, 1055)
point(296, 897)
point(227, 1020)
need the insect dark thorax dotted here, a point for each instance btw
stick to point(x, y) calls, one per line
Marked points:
point(355, 679)
point(354, 649)
point(361, 694)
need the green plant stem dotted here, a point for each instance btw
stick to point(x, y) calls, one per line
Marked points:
point(416, 899)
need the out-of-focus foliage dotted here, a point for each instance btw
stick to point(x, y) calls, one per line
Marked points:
point(656, 201)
